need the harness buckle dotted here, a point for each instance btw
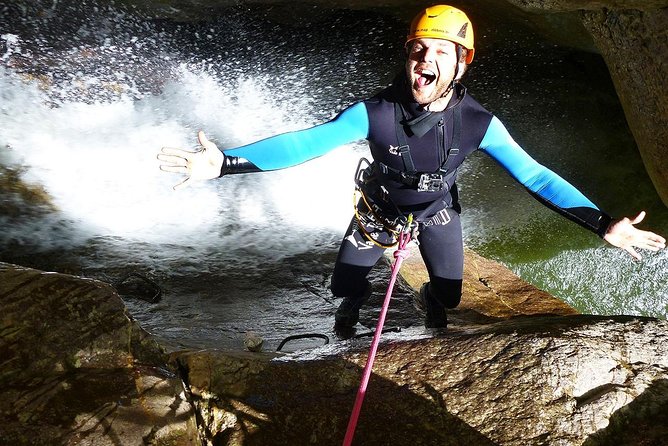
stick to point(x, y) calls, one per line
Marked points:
point(441, 218)
point(430, 182)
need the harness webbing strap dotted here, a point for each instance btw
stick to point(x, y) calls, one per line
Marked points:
point(406, 157)
point(456, 136)
point(410, 176)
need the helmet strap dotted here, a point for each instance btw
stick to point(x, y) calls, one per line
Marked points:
point(455, 81)
point(458, 50)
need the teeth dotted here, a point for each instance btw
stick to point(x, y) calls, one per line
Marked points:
point(426, 72)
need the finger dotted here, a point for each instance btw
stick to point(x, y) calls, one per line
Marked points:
point(182, 184)
point(649, 238)
point(174, 151)
point(633, 253)
point(204, 141)
point(655, 239)
point(173, 159)
point(174, 169)
point(640, 217)
point(201, 137)
point(650, 244)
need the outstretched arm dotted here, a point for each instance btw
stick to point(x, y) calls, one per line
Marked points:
point(276, 152)
point(564, 198)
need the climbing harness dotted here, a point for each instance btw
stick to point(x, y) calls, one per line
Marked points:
point(371, 200)
point(372, 219)
point(405, 235)
point(441, 179)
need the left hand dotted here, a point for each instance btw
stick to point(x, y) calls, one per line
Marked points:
point(623, 234)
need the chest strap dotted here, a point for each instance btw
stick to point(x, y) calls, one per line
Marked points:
point(424, 181)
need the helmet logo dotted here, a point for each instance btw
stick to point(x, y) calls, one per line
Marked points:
point(462, 30)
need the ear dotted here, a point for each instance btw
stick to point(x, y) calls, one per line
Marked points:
point(461, 69)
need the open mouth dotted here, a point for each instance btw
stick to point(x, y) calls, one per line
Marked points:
point(425, 77)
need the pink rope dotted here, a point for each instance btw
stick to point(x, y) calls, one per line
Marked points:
point(399, 255)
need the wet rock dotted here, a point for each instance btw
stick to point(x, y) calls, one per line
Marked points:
point(631, 37)
point(138, 286)
point(566, 380)
point(21, 199)
point(77, 370)
point(634, 45)
point(253, 341)
point(490, 290)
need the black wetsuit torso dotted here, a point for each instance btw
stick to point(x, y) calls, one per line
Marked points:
point(428, 152)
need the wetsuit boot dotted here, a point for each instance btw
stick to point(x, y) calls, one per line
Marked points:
point(348, 313)
point(430, 308)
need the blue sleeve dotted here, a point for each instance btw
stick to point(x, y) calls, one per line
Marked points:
point(545, 185)
point(292, 148)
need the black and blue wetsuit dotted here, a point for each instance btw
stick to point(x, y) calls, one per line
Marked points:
point(386, 122)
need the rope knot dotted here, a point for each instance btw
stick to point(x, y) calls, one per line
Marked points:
point(402, 253)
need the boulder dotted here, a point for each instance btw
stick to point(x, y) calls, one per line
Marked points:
point(634, 45)
point(490, 290)
point(566, 380)
point(76, 369)
point(631, 37)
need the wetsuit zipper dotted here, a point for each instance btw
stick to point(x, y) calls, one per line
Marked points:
point(441, 144)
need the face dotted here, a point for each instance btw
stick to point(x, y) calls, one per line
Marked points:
point(430, 68)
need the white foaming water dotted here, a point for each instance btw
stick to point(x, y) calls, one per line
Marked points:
point(98, 163)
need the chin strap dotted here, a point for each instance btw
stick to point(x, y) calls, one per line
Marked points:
point(236, 164)
point(455, 80)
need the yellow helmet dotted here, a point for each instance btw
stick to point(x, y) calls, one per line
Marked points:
point(444, 22)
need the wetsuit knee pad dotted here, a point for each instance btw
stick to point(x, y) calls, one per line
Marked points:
point(447, 292)
point(346, 283)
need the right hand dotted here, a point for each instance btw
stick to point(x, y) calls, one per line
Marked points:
point(203, 164)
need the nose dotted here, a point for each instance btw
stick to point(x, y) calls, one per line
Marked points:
point(428, 55)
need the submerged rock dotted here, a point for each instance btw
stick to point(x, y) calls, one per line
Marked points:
point(253, 341)
point(77, 370)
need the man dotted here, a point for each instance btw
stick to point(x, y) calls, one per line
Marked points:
point(419, 130)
